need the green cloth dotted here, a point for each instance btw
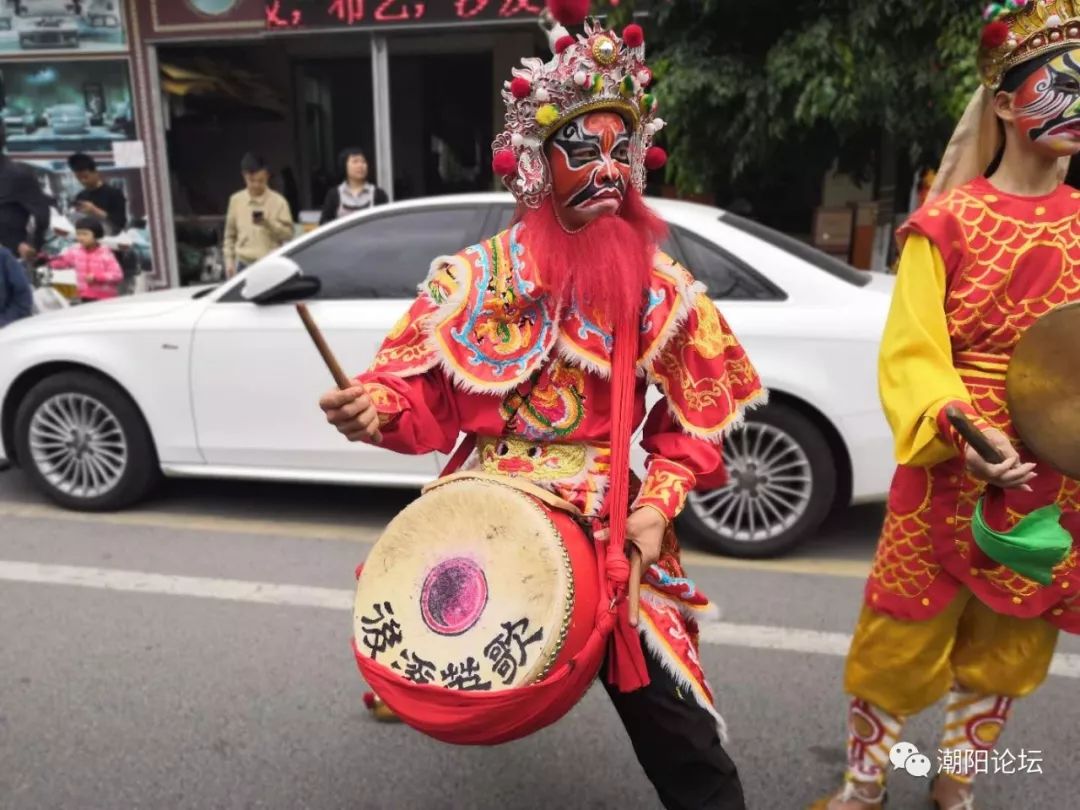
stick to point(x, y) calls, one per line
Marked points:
point(1032, 548)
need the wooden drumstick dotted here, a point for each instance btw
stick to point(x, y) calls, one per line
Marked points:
point(973, 436)
point(343, 382)
point(633, 592)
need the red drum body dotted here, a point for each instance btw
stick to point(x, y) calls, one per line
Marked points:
point(475, 614)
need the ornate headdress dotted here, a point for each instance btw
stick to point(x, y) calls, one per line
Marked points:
point(598, 70)
point(1017, 31)
point(1021, 30)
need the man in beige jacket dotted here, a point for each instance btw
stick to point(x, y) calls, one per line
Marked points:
point(258, 220)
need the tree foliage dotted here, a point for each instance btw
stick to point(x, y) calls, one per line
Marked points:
point(752, 88)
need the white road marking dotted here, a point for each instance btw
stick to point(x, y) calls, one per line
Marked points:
point(180, 521)
point(760, 637)
point(235, 590)
point(370, 533)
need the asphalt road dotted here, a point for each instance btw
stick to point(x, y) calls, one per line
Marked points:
point(184, 685)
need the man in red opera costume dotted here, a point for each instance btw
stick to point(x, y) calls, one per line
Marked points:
point(995, 247)
point(514, 340)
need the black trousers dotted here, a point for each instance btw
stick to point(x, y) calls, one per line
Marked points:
point(677, 744)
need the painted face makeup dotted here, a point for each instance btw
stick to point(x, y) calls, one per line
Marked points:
point(1047, 106)
point(590, 167)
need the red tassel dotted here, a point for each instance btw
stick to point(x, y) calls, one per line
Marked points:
point(569, 12)
point(626, 666)
point(655, 158)
point(633, 35)
point(520, 87)
point(504, 162)
point(995, 34)
point(562, 43)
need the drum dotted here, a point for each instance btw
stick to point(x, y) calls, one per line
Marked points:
point(482, 585)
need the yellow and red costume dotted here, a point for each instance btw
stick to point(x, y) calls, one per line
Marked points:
point(486, 350)
point(978, 268)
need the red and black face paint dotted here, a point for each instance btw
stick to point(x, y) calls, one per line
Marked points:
point(590, 167)
point(1046, 99)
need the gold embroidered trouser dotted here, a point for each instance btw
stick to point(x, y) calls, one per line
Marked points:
point(906, 666)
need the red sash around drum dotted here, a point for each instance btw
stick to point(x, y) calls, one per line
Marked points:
point(483, 613)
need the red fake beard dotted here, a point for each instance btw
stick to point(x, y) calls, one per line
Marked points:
point(605, 266)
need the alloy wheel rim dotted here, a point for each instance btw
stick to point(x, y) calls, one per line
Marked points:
point(768, 490)
point(78, 446)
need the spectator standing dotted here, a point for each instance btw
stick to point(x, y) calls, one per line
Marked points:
point(107, 203)
point(98, 198)
point(355, 193)
point(21, 199)
point(258, 220)
point(16, 296)
point(98, 273)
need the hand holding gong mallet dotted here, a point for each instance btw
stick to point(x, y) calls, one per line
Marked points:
point(1006, 476)
point(349, 409)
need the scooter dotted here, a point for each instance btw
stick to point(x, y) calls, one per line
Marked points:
point(53, 289)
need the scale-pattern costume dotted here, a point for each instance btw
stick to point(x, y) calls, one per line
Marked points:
point(978, 268)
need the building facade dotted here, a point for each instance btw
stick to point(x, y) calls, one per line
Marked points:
point(167, 95)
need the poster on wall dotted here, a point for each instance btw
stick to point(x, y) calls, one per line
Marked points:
point(61, 186)
point(65, 106)
point(36, 26)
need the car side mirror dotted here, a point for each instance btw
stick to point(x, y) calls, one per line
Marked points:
point(277, 280)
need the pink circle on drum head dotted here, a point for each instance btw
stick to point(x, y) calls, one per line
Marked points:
point(454, 595)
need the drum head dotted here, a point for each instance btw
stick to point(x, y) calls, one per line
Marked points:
point(469, 588)
point(1043, 389)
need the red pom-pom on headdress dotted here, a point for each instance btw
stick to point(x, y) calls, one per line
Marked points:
point(520, 87)
point(995, 34)
point(564, 42)
point(633, 35)
point(504, 162)
point(569, 12)
point(655, 158)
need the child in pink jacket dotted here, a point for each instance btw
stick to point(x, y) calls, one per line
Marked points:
point(99, 274)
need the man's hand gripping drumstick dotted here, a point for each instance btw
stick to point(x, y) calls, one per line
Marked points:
point(348, 407)
point(645, 529)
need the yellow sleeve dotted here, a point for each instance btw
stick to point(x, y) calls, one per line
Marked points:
point(916, 376)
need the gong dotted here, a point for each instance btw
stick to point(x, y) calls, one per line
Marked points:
point(1042, 387)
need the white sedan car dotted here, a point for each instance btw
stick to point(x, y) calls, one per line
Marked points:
point(98, 401)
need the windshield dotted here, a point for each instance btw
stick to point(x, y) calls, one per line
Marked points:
point(808, 253)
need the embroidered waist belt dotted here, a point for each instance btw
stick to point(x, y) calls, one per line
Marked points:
point(540, 461)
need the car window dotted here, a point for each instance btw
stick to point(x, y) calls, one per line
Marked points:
point(387, 256)
point(506, 213)
point(725, 276)
point(808, 253)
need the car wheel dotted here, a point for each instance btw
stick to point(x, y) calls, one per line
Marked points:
point(84, 443)
point(782, 482)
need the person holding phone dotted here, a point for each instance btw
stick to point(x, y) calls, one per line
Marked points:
point(258, 220)
point(98, 199)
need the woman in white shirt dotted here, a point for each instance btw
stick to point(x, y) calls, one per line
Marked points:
point(355, 193)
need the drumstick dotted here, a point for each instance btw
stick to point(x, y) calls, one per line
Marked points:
point(973, 436)
point(342, 381)
point(633, 593)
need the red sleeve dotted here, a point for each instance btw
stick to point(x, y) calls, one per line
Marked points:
point(946, 429)
point(678, 463)
point(417, 414)
point(61, 261)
